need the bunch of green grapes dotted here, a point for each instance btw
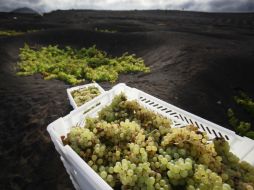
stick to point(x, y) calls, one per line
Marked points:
point(120, 110)
point(115, 131)
point(232, 168)
point(83, 95)
point(195, 144)
point(204, 178)
point(131, 147)
point(179, 170)
point(81, 139)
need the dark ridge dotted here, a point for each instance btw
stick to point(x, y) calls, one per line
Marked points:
point(25, 10)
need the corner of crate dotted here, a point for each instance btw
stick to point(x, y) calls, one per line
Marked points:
point(51, 125)
point(55, 128)
point(119, 85)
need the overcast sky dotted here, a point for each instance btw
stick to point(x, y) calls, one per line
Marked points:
point(196, 5)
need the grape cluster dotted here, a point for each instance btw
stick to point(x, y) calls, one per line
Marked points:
point(195, 143)
point(206, 179)
point(233, 168)
point(131, 147)
point(84, 95)
point(180, 170)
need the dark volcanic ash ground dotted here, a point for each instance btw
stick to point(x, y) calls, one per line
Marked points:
point(198, 61)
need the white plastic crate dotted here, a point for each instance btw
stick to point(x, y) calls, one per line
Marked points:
point(84, 177)
point(69, 90)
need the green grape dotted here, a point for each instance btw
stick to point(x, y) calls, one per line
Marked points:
point(110, 178)
point(95, 167)
point(94, 157)
point(99, 161)
point(103, 174)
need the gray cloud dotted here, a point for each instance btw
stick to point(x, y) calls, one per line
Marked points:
point(232, 5)
point(195, 5)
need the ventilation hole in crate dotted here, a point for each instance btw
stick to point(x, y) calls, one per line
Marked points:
point(197, 125)
point(177, 124)
point(155, 105)
point(163, 109)
point(168, 111)
point(226, 137)
point(172, 113)
point(202, 127)
point(151, 103)
point(181, 117)
point(160, 107)
point(191, 121)
point(92, 107)
point(186, 119)
point(147, 101)
point(220, 135)
point(214, 133)
point(208, 130)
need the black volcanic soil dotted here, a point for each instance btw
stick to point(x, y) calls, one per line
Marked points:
point(198, 61)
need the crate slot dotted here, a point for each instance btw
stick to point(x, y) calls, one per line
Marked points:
point(177, 124)
point(220, 134)
point(186, 119)
point(202, 127)
point(191, 121)
point(197, 125)
point(208, 130)
point(214, 133)
point(181, 117)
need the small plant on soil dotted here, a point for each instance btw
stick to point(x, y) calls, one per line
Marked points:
point(242, 127)
point(74, 66)
point(15, 33)
point(105, 30)
point(10, 33)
